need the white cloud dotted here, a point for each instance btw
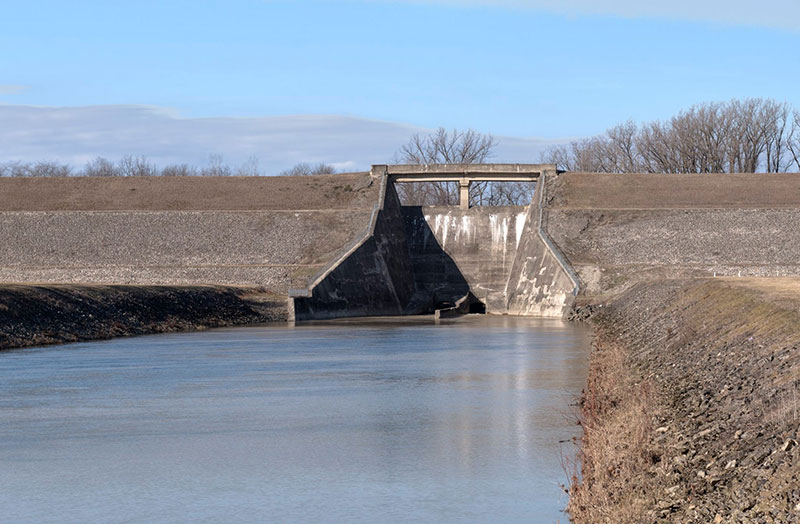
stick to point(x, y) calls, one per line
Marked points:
point(783, 14)
point(76, 135)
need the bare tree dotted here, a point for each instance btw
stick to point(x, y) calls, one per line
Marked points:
point(216, 167)
point(249, 168)
point(136, 166)
point(305, 169)
point(454, 147)
point(100, 167)
point(179, 170)
point(443, 147)
point(737, 136)
point(793, 140)
point(35, 169)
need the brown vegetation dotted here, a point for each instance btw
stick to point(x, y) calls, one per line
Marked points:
point(691, 412)
point(325, 192)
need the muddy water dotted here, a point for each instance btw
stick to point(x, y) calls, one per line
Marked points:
point(399, 421)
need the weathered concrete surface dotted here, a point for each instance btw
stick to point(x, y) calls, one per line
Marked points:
point(466, 174)
point(182, 230)
point(455, 250)
point(53, 314)
point(616, 230)
point(373, 277)
point(541, 282)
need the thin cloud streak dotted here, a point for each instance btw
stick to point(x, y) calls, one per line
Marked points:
point(783, 14)
point(76, 135)
point(12, 89)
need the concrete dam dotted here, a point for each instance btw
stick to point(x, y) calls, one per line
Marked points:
point(343, 245)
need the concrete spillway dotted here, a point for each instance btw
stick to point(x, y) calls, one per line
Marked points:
point(416, 259)
point(456, 251)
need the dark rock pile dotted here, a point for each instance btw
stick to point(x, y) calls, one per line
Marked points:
point(32, 315)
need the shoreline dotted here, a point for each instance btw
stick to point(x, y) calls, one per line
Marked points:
point(691, 411)
point(46, 314)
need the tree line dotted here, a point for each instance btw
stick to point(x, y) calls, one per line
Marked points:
point(739, 136)
point(130, 165)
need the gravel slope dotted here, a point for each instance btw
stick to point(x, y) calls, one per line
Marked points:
point(32, 315)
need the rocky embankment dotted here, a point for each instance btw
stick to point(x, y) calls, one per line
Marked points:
point(692, 409)
point(32, 315)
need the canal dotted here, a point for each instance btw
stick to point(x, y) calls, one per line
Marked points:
point(393, 420)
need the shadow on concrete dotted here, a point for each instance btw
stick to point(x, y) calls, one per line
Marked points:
point(438, 280)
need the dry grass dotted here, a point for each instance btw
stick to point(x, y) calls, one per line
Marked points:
point(616, 444)
point(721, 370)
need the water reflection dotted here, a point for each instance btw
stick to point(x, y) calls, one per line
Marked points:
point(395, 421)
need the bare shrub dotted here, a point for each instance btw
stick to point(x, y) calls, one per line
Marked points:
point(179, 170)
point(305, 169)
point(617, 419)
point(249, 167)
point(216, 167)
point(100, 167)
point(35, 169)
point(50, 169)
point(136, 166)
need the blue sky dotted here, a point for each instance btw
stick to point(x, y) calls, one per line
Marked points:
point(525, 69)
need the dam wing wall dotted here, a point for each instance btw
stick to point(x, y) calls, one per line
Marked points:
point(618, 229)
point(372, 277)
point(541, 282)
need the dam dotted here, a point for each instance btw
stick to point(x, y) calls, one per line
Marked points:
point(332, 246)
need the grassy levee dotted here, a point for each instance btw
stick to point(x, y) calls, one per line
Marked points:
point(33, 315)
point(692, 408)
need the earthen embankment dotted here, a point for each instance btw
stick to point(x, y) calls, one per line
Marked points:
point(692, 410)
point(84, 258)
point(32, 315)
point(618, 229)
point(266, 231)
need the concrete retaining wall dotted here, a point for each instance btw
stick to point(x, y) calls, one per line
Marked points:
point(373, 277)
point(541, 282)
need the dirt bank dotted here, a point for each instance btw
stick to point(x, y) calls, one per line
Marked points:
point(692, 409)
point(32, 315)
point(222, 193)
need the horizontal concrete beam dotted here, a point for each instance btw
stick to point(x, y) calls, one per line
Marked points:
point(475, 170)
point(487, 177)
point(466, 173)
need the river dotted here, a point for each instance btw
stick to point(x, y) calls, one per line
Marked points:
point(374, 421)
